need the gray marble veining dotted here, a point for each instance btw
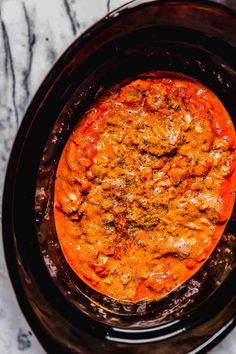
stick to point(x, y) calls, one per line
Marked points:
point(33, 34)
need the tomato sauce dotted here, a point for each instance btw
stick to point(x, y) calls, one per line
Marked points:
point(145, 186)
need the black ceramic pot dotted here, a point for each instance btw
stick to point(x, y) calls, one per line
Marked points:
point(192, 37)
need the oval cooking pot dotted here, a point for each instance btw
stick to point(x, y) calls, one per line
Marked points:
point(191, 37)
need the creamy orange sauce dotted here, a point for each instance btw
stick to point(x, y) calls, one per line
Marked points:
point(145, 186)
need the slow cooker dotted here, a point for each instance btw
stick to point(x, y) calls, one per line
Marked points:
point(196, 38)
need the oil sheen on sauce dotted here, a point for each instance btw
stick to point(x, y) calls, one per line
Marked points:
point(145, 186)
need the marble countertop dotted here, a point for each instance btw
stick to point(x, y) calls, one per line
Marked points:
point(33, 34)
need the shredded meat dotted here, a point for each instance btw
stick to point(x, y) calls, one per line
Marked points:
point(144, 186)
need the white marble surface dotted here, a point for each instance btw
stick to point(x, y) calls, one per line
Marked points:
point(33, 34)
